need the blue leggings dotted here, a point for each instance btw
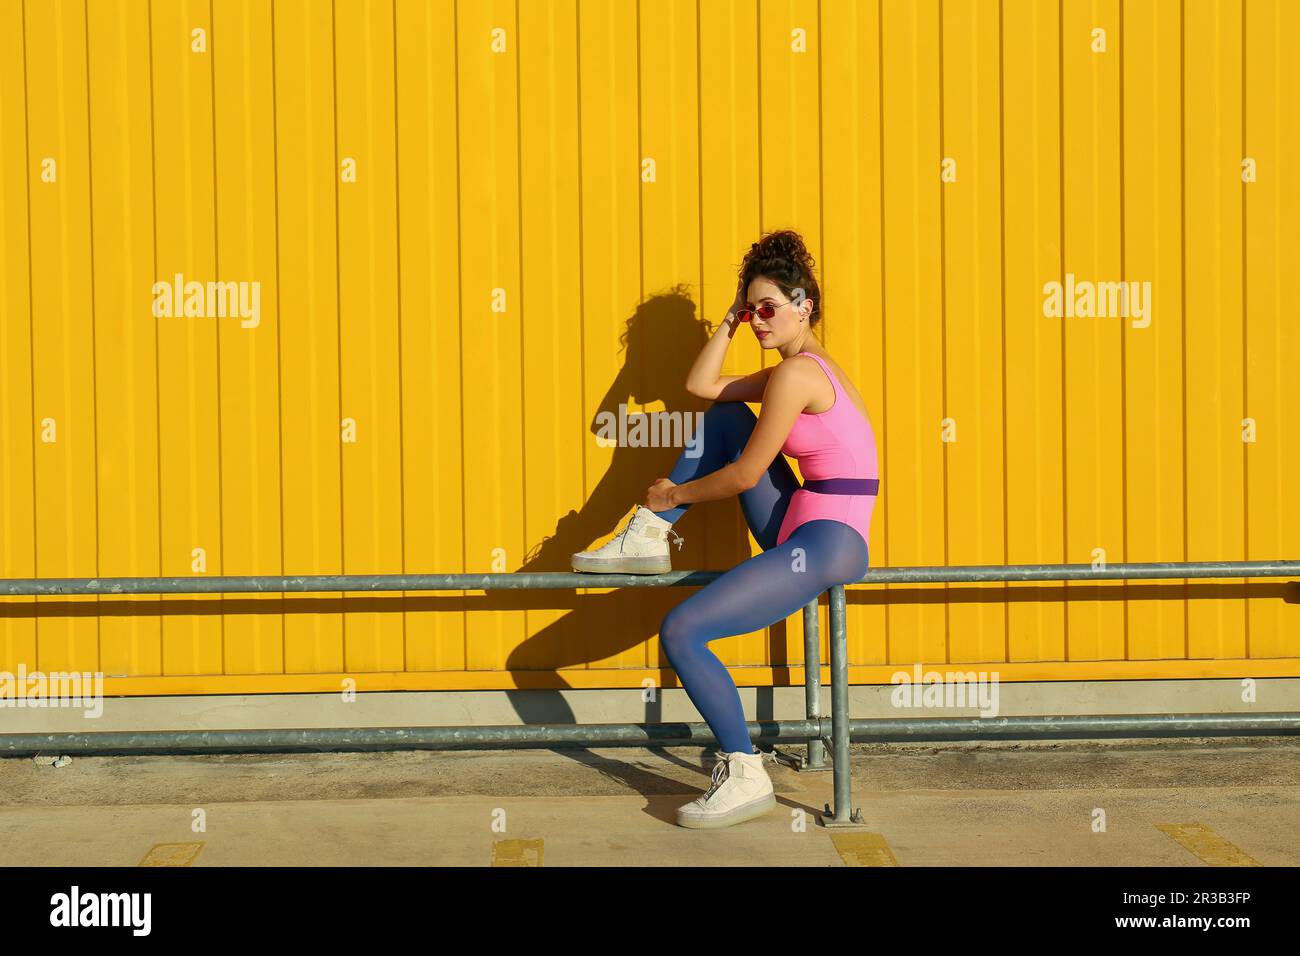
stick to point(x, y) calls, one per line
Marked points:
point(759, 591)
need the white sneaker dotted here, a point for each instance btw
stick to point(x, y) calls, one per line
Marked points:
point(641, 547)
point(741, 791)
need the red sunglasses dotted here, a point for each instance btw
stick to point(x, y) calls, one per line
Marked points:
point(763, 311)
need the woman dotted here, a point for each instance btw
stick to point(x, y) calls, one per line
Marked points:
point(812, 537)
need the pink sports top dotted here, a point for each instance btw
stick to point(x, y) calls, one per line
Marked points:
point(836, 443)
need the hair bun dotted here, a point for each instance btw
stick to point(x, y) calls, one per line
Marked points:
point(786, 244)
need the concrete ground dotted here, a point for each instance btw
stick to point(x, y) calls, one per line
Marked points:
point(1222, 802)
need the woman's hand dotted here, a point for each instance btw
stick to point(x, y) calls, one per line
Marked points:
point(659, 497)
point(742, 293)
point(732, 321)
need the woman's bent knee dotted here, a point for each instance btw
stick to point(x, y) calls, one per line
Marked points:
point(730, 410)
point(672, 633)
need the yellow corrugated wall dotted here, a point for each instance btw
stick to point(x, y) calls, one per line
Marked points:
point(476, 225)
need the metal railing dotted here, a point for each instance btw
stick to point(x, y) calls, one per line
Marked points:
point(813, 730)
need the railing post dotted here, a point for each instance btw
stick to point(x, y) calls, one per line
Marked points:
point(812, 683)
point(841, 816)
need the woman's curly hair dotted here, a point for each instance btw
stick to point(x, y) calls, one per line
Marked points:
point(782, 257)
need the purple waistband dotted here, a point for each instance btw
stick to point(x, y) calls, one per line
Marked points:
point(843, 486)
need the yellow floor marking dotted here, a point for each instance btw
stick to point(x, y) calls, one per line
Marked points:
point(863, 849)
point(517, 853)
point(1206, 844)
point(171, 854)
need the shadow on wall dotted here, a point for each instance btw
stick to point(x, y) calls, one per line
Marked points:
point(660, 343)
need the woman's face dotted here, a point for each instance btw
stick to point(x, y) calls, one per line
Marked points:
point(784, 326)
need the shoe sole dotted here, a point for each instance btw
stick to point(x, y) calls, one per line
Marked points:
point(649, 565)
point(742, 813)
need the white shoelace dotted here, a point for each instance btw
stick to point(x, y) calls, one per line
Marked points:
point(627, 528)
point(720, 775)
point(722, 772)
